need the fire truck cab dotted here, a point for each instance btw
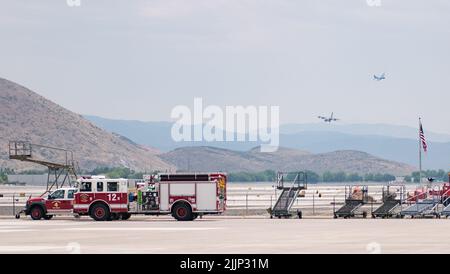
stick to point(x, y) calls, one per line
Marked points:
point(102, 199)
point(59, 202)
point(184, 196)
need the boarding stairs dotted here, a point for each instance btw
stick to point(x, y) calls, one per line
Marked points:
point(288, 195)
point(446, 210)
point(349, 209)
point(387, 209)
point(423, 208)
point(352, 204)
point(392, 201)
point(431, 205)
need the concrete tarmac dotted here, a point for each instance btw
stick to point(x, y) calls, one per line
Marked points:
point(216, 234)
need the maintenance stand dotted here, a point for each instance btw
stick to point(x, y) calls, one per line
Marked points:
point(355, 197)
point(59, 173)
point(289, 194)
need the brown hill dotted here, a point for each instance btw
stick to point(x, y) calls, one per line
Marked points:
point(210, 158)
point(25, 115)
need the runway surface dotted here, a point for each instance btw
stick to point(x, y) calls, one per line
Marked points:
point(225, 235)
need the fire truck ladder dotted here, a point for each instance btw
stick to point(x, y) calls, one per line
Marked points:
point(59, 173)
point(352, 204)
point(391, 202)
point(288, 195)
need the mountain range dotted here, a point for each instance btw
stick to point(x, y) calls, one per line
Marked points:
point(285, 159)
point(395, 143)
point(145, 146)
point(27, 116)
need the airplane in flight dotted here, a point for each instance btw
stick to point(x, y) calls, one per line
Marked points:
point(328, 119)
point(379, 78)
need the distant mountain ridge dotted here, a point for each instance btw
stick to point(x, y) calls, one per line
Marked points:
point(383, 130)
point(25, 115)
point(316, 138)
point(211, 158)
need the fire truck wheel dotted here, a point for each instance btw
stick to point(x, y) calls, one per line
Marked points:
point(100, 212)
point(37, 213)
point(48, 217)
point(182, 212)
point(126, 216)
point(114, 216)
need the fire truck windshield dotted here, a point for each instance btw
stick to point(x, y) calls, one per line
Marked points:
point(58, 194)
point(86, 187)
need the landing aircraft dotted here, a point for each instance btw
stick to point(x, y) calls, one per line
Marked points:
point(379, 78)
point(328, 119)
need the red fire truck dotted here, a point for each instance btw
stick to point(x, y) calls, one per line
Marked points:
point(184, 196)
point(59, 202)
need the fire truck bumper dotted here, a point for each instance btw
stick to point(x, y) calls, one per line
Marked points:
point(27, 209)
point(23, 211)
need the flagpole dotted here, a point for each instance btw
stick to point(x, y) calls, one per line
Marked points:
point(420, 155)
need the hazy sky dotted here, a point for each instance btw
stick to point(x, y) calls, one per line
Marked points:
point(138, 59)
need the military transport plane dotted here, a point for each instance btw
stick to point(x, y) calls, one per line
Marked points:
point(328, 119)
point(379, 78)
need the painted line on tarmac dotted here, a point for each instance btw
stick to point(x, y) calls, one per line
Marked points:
point(139, 228)
point(25, 248)
point(40, 223)
point(16, 230)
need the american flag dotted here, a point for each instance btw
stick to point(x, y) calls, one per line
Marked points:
point(422, 138)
